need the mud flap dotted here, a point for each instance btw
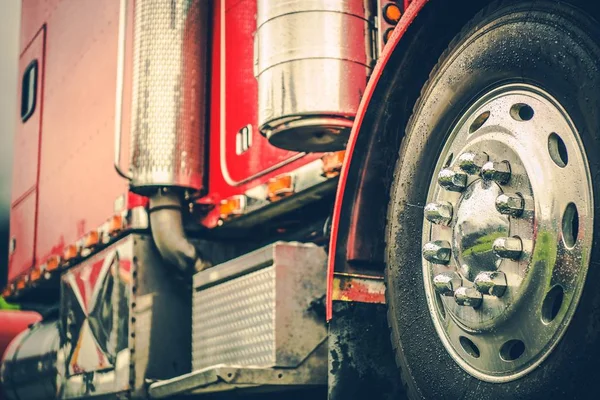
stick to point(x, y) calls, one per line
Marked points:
point(361, 358)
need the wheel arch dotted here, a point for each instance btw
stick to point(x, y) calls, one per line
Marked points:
point(359, 215)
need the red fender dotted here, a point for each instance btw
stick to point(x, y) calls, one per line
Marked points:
point(408, 17)
point(12, 323)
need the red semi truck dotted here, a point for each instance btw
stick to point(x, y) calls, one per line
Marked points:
point(353, 198)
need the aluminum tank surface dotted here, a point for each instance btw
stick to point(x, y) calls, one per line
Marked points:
point(29, 370)
point(168, 104)
point(312, 60)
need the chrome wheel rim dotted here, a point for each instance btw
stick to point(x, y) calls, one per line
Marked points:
point(507, 232)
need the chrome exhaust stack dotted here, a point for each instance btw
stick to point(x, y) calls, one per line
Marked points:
point(168, 117)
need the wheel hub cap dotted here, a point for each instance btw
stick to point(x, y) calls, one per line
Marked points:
point(507, 233)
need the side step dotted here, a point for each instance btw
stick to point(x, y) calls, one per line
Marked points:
point(313, 372)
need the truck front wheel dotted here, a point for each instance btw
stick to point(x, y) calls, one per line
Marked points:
point(492, 244)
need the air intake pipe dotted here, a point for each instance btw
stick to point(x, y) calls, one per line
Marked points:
point(168, 117)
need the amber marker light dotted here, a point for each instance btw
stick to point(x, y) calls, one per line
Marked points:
point(392, 13)
point(332, 163)
point(7, 292)
point(36, 273)
point(232, 207)
point(70, 252)
point(279, 187)
point(21, 282)
point(53, 263)
point(115, 224)
point(91, 239)
point(387, 35)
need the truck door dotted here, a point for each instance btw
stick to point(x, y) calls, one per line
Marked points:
point(27, 154)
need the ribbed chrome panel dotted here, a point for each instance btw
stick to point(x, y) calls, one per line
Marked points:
point(234, 323)
point(168, 101)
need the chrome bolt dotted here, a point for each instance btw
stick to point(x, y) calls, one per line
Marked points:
point(510, 204)
point(446, 283)
point(439, 213)
point(496, 171)
point(508, 247)
point(455, 181)
point(437, 252)
point(491, 282)
point(471, 163)
point(468, 296)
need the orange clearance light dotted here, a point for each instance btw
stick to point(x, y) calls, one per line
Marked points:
point(392, 13)
point(232, 207)
point(115, 224)
point(21, 282)
point(7, 291)
point(332, 163)
point(280, 186)
point(91, 239)
point(36, 273)
point(53, 263)
point(70, 252)
point(387, 35)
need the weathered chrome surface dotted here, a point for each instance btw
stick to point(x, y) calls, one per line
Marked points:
point(496, 171)
point(168, 100)
point(508, 247)
point(312, 59)
point(438, 252)
point(475, 229)
point(520, 234)
point(452, 180)
point(447, 282)
point(439, 213)
point(468, 296)
point(471, 163)
point(255, 310)
point(29, 370)
point(510, 204)
point(492, 283)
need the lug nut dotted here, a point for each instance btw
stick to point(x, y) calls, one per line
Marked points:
point(508, 247)
point(471, 163)
point(446, 283)
point(439, 213)
point(454, 181)
point(491, 282)
point(510, 204)
point(437, 252)
point(496, 171)
point(468, 296)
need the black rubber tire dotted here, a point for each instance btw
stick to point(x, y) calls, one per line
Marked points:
point(554, 46)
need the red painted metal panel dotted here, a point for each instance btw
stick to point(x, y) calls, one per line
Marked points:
point(77, 183)
point(12, 323)
point(233, 105)
point(22, 232)
point(406, 20)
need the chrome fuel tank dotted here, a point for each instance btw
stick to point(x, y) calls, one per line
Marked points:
point(312, 60)
point(29, 370)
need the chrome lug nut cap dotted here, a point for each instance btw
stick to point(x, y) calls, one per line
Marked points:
point(471, 163)
point(496, 171)
point(468, 296)
point(510, 204)
point(491, 282)
point(439, 213)
point(454, 181)
point(437, 252)
point(446, 283)
point(508, 247)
